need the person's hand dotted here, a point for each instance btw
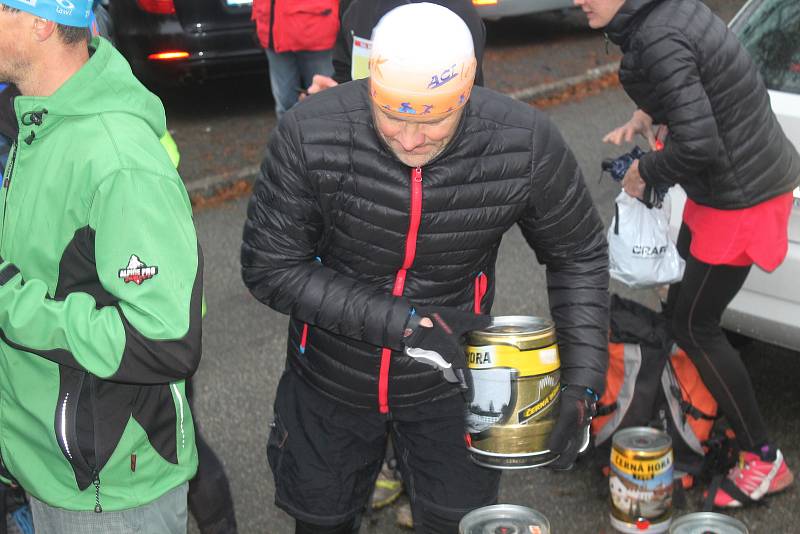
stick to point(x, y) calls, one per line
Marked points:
point(570, 435)
point(640, 124)
point(632, 182)
point(319, 83)
point(434, 336)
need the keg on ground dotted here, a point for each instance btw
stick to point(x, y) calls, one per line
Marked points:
point(516, 384)
point(640, 481)
point(707, 523)
point(504, 518)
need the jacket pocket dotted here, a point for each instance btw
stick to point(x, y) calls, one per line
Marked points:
point(276, 442)
point(307, 25)
point(74, 395)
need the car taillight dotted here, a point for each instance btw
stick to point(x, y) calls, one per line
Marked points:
point(158, 7)
point(169, 55)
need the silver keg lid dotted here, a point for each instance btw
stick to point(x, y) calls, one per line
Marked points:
point(707, 523)
point(504, 519)
point(517, 324)
point(641, 438)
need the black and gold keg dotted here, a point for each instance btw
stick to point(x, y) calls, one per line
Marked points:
point(516, 383)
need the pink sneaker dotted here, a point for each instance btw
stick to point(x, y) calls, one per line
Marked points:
point(755, 478)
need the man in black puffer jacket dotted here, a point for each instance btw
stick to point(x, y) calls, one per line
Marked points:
point(688, 73)
point(376, 224)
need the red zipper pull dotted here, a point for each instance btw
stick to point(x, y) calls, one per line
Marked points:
point(416, 175)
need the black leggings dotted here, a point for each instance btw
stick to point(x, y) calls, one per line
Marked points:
point(695, 306)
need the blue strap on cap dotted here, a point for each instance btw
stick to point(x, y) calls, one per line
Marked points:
point(67, 12)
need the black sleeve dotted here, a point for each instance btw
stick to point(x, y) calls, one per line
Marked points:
point(282, 232)
point(566, 233)
point(671, 68)
point(343, 48)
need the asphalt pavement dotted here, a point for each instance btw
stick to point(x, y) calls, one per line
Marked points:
point(244, 347)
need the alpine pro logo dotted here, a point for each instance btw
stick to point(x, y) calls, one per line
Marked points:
point(136, 271)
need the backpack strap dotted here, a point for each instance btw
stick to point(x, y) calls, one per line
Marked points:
point(606, 409)
point(721, 481)
point(687, 408)
point(690, 409)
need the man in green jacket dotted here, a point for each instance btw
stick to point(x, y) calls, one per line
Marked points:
point(100, 286)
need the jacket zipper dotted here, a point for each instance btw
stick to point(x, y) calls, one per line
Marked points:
point(271, 42)
point(177, 393)
point(481, 285)
point(95, 471)
point(304, 334)
point(304, 338)
point(400, 279)
point(7, 187)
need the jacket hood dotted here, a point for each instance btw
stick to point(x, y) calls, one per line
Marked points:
point(8, 119)
point(105, 84)
point(622, 24)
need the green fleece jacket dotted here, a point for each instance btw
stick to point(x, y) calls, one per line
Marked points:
point(100, 296)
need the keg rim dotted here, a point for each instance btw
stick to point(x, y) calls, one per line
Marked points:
point(527, 324)
point(690, 522)
point(503, 511)
point(641, 440)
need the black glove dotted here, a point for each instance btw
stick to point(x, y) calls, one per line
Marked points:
point(570, 435)
point(444, 338)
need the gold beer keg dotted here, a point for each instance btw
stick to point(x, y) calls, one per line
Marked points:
point(516, 384)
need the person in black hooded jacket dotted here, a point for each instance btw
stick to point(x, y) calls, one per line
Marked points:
point(375, 223)
point(688, 73)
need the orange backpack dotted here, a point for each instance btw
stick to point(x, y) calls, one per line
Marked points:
point(652, 382)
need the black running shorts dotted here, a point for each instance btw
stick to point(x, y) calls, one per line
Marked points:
point(325, 457)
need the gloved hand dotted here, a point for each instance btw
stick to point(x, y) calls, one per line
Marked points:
point(441, 345)
point(570, 435)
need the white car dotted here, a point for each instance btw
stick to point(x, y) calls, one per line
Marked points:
point(496, 9)
point(768, 306)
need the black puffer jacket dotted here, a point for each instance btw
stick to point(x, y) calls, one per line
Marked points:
point(684, 68)
point(331, 221)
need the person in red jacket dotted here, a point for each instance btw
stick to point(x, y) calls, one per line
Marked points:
point(298, 36)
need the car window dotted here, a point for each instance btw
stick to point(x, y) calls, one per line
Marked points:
point(770, 31)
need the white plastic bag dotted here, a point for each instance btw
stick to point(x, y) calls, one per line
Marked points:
point(641, 253)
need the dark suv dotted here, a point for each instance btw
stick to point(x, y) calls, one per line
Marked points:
point(169, 42)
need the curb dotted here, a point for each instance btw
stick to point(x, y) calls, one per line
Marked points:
point(210, 186)
point(549, 89)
